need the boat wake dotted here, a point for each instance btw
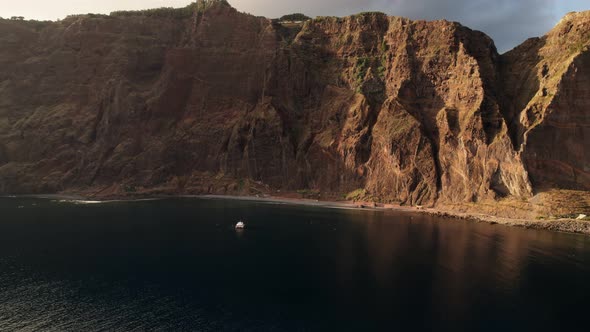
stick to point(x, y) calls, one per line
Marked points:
point(89, 202)
point(79, 202)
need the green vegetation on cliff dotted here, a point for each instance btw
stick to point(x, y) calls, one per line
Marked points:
point(357, 195)
point(33, 24)
point(185, 12)
point(295, 17)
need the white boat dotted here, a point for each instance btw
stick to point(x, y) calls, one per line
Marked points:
point(240, 225)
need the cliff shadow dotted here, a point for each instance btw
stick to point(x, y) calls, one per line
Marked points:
point(519, 83)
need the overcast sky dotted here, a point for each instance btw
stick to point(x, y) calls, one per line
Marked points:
point(509, 22)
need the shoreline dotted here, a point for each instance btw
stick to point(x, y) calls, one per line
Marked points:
point(557, 225)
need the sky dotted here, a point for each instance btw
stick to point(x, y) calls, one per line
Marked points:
point(508, 22)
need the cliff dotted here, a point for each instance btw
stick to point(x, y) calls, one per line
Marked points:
point(209, 100)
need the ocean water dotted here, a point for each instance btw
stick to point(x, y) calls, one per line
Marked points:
point(178, 265)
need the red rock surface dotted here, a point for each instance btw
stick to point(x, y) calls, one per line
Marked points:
point(412, 112)
point(548, 104)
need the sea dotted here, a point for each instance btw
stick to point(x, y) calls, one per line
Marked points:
point(180, 265)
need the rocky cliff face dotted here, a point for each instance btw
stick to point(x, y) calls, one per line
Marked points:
point(218, 101)
point(547, 103)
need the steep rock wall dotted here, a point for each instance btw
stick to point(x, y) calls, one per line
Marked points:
point(546, 97)
point(412, 112)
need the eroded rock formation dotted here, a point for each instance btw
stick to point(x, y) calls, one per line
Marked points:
point(218, 101)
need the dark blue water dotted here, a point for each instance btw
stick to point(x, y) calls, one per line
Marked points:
point(178, 265)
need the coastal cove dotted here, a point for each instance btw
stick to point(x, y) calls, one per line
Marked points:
point(567, 225)
point(201, 168)
point(178, 263)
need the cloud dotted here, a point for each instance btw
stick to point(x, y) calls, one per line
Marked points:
point(508, 22)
